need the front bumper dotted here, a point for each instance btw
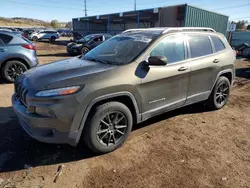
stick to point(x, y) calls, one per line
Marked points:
point(41, 128)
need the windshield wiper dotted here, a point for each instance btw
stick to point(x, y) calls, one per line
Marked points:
point(96, 60)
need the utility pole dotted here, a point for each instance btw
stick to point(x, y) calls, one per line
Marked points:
point(85, 8)
point(134, 4)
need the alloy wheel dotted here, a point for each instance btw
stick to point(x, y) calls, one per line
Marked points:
point(15, 70)
point(222, 94)
point(112, 128)
point(85, 50)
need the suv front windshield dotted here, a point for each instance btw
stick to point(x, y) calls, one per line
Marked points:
point(120, 49)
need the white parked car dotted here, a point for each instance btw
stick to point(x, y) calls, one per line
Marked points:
point(44, 35)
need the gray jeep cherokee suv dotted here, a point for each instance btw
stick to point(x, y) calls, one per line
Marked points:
point(126, 80)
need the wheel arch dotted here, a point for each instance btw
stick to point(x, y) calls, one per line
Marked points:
point(126, 98)
point(228, 73)
point(14, 59)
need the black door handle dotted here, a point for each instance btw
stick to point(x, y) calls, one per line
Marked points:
point(182, 68)
point(216, 61)
point(2, 50)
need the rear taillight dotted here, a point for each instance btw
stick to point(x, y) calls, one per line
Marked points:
point(235, 53)
point(29, 46)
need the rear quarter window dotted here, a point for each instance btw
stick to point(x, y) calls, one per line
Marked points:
point(200, 45)
point(6, 38)
point(218, 44)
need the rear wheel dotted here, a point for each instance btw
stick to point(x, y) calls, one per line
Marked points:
point(108, 128)
point(35, 38)
point(13, 69)
point(220, 94)
point(85, 50)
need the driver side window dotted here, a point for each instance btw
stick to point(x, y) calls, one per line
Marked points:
point(172, 47)
point(98, 39)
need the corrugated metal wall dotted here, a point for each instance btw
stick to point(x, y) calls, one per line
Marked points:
point(167, 17)
point(196, 17)
point(240, 38)
point(82, 27)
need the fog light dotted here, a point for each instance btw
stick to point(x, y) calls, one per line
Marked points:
point(44, 111)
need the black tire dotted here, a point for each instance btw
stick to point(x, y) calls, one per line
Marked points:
point(12, 69)
point(98, 122)
point(84, 50)
point(220, 94)
point(52, 39)
point(246, 53)
point(35, 38)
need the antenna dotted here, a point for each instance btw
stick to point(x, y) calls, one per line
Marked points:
point(134, 4)
point(85, 8)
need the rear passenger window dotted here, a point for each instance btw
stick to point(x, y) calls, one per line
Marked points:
point(6, 38)
point(199, 45)
point(218, 45)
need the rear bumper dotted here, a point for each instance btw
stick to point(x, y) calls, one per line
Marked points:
point(41, 128)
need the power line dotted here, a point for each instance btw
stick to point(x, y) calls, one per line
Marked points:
point(239, 18)
point(85, 8)
point(237, 6)
point(47, 6)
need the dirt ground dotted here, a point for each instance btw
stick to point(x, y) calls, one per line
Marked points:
point(189, 147)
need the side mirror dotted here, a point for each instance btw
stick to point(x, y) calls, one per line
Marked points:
point(157, 60)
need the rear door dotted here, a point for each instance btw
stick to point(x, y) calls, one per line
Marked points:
point(204, 67)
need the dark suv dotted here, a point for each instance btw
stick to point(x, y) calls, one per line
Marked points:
point(87, 43)
point(126, 80)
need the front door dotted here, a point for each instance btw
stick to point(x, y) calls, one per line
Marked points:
point(165, 87)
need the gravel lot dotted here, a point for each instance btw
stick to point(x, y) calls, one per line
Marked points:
point(189, 147)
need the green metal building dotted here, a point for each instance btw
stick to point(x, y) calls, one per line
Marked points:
point(172, 16)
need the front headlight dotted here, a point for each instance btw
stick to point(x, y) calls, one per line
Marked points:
point(58, 92)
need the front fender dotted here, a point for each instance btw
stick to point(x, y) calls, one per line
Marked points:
point(78, 128)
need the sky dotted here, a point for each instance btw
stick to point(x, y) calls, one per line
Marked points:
point(65, 10)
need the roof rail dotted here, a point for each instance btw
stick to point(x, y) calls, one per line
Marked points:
point(145, 29)
point(169, 29)
point(188, 29)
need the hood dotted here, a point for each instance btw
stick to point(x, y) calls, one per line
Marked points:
point(63, 73)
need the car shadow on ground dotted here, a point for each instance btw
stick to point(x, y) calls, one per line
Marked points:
point(243, 73)
point(18, 149)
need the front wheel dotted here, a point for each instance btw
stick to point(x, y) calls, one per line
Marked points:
point(108, 128)
point(52, 39)
point(85, 50)
point(220, 94)
point(35, 38)
point(13, 69)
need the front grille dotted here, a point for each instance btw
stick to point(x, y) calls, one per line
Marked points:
point(21, 93)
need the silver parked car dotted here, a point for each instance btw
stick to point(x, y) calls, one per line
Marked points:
point(17, 55)
point(44, 35)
